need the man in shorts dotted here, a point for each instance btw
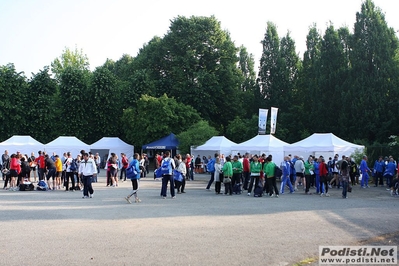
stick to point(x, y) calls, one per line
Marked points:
point(51, 170)
point(299, 170)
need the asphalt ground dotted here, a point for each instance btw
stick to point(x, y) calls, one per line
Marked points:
point(197, 228)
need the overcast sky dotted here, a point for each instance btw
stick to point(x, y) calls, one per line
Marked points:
point(35, 32)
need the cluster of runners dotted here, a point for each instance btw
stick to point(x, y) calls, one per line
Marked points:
point(243, 173)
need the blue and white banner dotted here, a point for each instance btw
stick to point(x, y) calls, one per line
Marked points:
point(273, 119)
point(262, 121)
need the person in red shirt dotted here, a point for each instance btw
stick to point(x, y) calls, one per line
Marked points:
point(41, 163)
point(15, 169)
point(323, 171)
point(125, 164)
point(245, 171)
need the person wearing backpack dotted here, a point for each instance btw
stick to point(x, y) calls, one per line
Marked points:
point(211, 169)
point(167, 166)
point(135, 164)
point(69, 166)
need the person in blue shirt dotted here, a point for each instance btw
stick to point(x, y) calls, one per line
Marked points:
point(365, 170)
point(285, 179)
point(135, 179)
point(317, 173)
point(390, 172)
point(210, 166)
point(379, 166)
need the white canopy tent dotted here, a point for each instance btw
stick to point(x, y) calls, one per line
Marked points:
point(23, 144)
point(107, 145)
point(326, 144)
point(216, 144)
point(259, 144)
point(66, 144)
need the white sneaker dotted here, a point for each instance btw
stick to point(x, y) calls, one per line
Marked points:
point(128, 200)
point(327, 195)
point(322, 194)
point(91, 196)
point(249, 194)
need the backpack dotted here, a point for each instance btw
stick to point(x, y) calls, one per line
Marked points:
point(210, 166)
point(277, 171)
point(177, 176)
point(42, 186)
point(166, 167)
point(131, 171)
point(73, 166)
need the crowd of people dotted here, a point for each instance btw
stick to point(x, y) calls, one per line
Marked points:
point(257, 175)
point(320, 174)
point(64, 173)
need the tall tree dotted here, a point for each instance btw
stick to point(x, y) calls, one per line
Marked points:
point(43, 123)
point(102, 111)
point(74, 118)
point(196, 62)
point(249, 89)
point(268, 69)
point(305, 96)
point(13, 104)
point(278, 75)
point(375, 75)
point(330, 79)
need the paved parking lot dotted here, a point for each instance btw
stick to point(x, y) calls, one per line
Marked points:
point(196, 228)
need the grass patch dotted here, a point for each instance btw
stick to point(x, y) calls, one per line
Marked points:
point(305, 262)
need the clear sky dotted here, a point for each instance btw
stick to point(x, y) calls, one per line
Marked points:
point(34, 32)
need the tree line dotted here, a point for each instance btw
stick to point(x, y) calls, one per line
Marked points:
point(196, 83)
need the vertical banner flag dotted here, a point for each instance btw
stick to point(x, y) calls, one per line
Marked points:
point(262, 121)
point(273, 119)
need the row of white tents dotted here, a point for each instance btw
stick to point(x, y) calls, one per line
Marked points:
point(104, 146)
point(326, 144)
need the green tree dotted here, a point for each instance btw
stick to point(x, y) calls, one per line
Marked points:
point(75, 59)
point(43, 114)
point(102, 111)
point(154, 118)
point(268, 69)
point(242, 129)
point(328, 89)
point(196, 62)
point(197, 134)
point(14, 102)
point(75, 120)
point(249, 89)
point(374, 75)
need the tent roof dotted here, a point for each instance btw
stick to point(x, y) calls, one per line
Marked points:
point(66, 144)
point(21, 141)
point(64, 141)
point(216, 143)
point(169, 142)
point(321, 142)
point(107, 142)
point(260, 142)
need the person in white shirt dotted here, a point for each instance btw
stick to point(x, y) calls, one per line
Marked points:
point(86, 170)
